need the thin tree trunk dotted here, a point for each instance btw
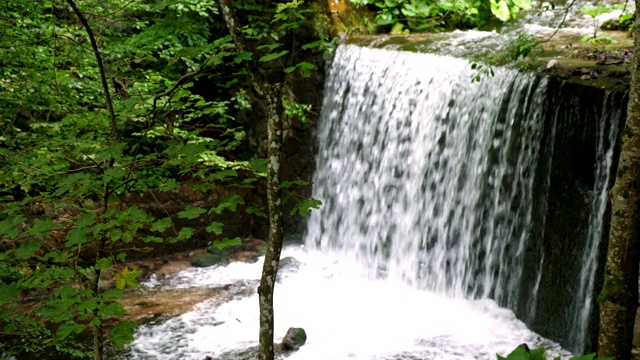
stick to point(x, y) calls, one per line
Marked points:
point(97, 330)
point(619, 296)
point(272, 256)
point(271, 95)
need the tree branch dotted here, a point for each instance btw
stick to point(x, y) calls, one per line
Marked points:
point(103, 77)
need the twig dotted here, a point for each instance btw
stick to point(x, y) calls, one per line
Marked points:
point(181, 82)
point(564, 18)
point(103, 77)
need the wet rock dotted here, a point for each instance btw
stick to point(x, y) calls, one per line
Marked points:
point(294, 339)
point(246, 256)
point(289, 263)
point(286, 266)
point(552, 64)
point(207, 259)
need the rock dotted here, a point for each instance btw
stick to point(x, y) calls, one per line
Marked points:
point(563, 73)
point(552, 63)
point(585, 77)
point(246, 256)
point(286, 266)
point(289, 263)
point(294, 339)
point(207, 259)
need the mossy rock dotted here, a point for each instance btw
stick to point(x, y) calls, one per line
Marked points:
point(207, 259)
point(294, 339)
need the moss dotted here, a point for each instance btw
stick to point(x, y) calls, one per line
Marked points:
point(612, 290)
point(207, 259)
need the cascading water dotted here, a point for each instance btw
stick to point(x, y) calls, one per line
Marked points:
point(425, 176)
point(436, 200)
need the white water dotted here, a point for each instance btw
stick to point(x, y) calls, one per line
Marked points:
point(346, 316)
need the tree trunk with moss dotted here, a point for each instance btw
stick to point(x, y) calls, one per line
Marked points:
point(271, 93)
point(619, 296)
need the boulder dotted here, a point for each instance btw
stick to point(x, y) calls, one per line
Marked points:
point(207, 259)
point(286, 266)
point(294, 339)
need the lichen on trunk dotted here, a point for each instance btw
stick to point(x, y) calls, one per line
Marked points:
point(271, 93)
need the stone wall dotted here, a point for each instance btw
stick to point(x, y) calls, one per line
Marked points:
point(563, 219)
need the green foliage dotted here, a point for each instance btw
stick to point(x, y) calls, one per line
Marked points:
point(226, 242)
point(70, 177)
point(593, 11)
point(65, 168)
point(600, 39)
point(296, 110)
point(431, 15)
point(128, 277)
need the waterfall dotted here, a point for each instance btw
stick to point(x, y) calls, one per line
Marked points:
point(459, 220)
point(432, 180)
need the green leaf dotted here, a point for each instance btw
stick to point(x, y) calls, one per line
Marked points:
point(228, 202)
point(226, 242)
point(256, 211)
point(85, 221)
point(122, 333)
point(518, 354)
point(312, 45)
point(306, 68)
point(66, 292)
point(88, 306)
point(271, 57)
point(288, 184)
point(8, 292)
point(191, 212)
point(150, 238)
point(77, 236)
point(40, 227)
point(162, 225)
point(269, 46)
point(27, 250)
point(10, 228)
point(67, 329)
point(111, 309)
point(584, 357)
point(384, 18)
point(258, 165)
point(185, 233)
point(168, 185)
point(112, 294)
point(305, 206)
point(290, 69)
point(243, 56)
point(523, 4)
point(104, 263)
point(500, 9)
point(537, 354)
point(215, 227)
